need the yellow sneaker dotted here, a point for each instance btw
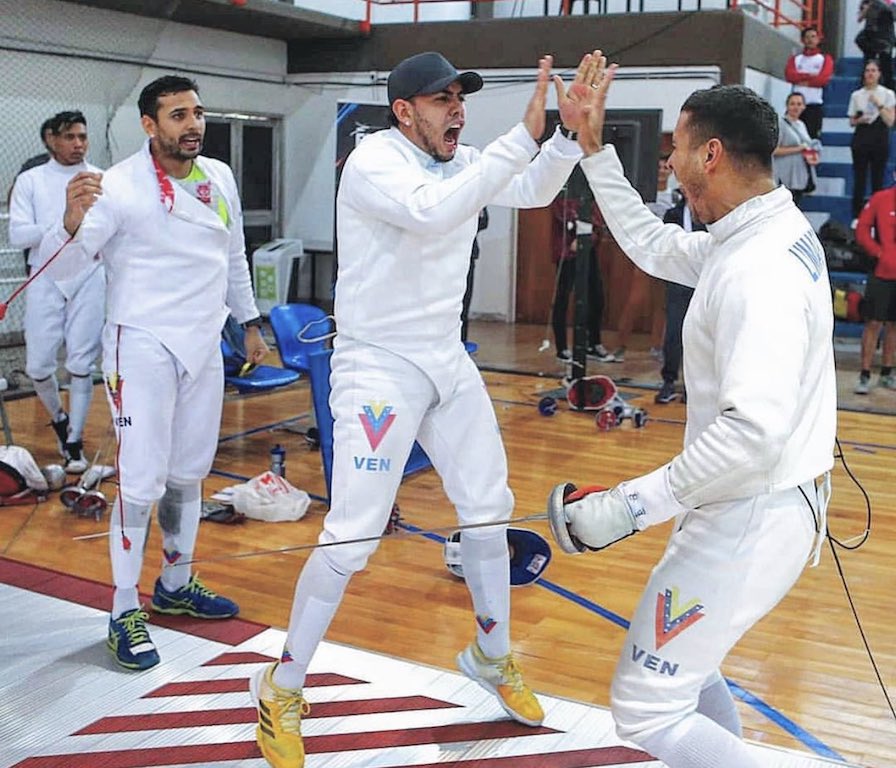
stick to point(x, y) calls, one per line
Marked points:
point(503, 678)
point(280, 711)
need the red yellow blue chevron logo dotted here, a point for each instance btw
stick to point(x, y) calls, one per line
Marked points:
point(171, 556)
point(487, 623)
point(376, 418)
point(673, 617)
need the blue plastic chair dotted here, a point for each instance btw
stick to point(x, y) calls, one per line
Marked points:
point(290, 324)
point(261, 378)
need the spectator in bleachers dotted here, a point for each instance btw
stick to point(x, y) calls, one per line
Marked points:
point(876, 39)
point(876, 233)
point(810, 71)
point(871, 111)
point(796, 155)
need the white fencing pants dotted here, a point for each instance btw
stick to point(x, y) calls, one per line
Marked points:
point(381, 403)
point(51, 319)
point(726, 567)
point(166, 422)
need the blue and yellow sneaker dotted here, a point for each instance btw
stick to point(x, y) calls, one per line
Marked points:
point(129, 640)
point(195, 599)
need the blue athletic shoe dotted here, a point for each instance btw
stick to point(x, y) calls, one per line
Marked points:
point(195, 599)
point(129, 640)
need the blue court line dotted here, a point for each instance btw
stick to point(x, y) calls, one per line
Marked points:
point(783, 722)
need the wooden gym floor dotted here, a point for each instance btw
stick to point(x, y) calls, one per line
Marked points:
point(803, 675)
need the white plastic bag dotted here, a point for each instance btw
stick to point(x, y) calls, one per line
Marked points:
point(269, 497)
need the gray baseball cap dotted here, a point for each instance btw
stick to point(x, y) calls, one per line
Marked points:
point(426, 73)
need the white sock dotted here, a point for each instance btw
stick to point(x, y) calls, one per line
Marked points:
point(717, 703)
point(698, 742)
point(126, 544)
point(179, 512)
point(485, 560)
point(318, 594)
point(80, 393)
point(47, 391)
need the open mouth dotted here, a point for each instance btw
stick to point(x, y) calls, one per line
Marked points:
point(452, 136)
point(191, 143)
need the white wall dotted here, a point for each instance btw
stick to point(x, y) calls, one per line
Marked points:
point(772, 89)
point(311, 151)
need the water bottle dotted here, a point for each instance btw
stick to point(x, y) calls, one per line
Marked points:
point(278, 460)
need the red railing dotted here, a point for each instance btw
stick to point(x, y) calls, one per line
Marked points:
point(784, 13)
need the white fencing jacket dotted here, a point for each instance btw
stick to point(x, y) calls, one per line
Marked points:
point(758, 347)
point(174, 274)
point(36, 206)
point(405, 228)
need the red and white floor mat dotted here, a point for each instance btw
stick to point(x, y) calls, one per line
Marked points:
point(64, 703)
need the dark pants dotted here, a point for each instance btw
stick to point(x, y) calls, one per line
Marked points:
point(566, 280)
point(468, 297)
point(677, 299)
point(870, 150)
point(812, 117)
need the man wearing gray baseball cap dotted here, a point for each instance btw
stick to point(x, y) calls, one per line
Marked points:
point(406, 215)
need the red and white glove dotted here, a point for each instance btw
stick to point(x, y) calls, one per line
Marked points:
point(594, 517)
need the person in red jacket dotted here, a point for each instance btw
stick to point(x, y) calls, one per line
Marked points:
point(876, 233)
point(810, 71)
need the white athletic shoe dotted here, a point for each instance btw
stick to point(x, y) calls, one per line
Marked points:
point(503, 678)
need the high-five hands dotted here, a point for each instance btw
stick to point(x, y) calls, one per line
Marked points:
point(571, 102)
point(594, 104)
point(534, 119)
point(581, 106)
point(81, 193)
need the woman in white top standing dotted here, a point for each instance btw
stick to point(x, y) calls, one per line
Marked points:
point(871, 111)
point(796, 155)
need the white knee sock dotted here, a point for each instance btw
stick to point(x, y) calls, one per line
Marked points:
point(717, 703)
point(47, 391)
point(80, 393)
point(318, 594)
point(179, 512)
point(486, 563)
point(698, 742)
point(126, 544)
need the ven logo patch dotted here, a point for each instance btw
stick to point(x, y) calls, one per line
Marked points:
point(376, 419)
point(673, 617)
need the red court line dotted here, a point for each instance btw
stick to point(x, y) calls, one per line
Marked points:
point(239, 685)
point(242, 715)
point(347, 742)
point(239, 657)
point(94, 594)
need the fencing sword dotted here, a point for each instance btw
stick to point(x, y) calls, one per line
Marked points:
point(401, 532)
point(4, 305)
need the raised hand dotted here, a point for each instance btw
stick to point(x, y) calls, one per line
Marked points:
point(534, 118)
point(82, 191)
point(591, 128)
point(570, 102)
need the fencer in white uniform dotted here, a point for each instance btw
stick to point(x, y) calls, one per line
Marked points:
point(67, 311)
point(169, 225)
point(761, 418)
point(407, 211)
